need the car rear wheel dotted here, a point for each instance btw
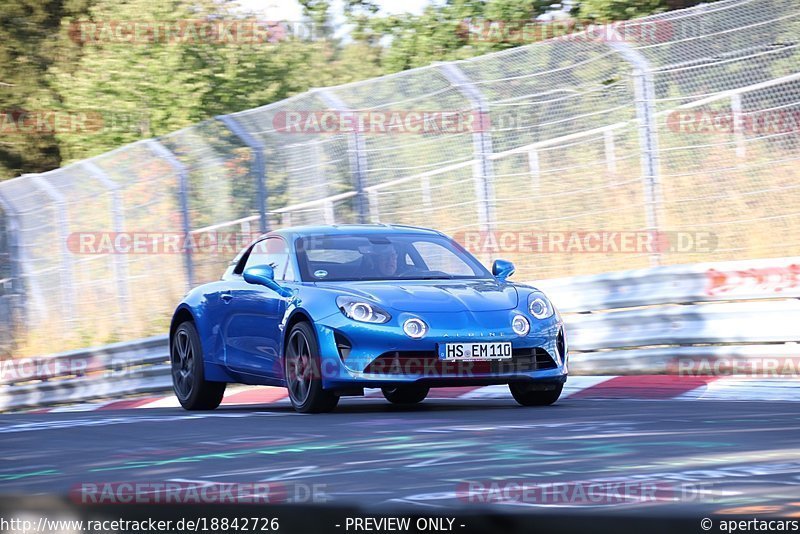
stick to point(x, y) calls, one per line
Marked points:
point(405, 394)
point(188, 380)
point(535, 397)
point(302, 372)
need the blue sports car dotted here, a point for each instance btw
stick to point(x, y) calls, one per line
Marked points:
point(327, 311)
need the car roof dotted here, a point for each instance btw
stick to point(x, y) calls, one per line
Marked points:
point(345, 229)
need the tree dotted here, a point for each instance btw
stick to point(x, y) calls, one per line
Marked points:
point(152, 88)
point(456, 29)
point(29, 45)
point(612, 10)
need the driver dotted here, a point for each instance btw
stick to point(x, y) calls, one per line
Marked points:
point(385, 260)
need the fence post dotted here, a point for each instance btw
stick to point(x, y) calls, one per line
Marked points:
point(738, 125)
point(17, 308)
point(321, 182)
point(610, 152)
point(534, 169)
point(358, 154)
point(183, 191)
point(645, 96)
point(117, 226)
point(62, 223)
point(258, 166)
point(483, 171)
point(374, 206)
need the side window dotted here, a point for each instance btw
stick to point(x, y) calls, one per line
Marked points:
point(290, 274)
point(405, 260)
point(272, 251)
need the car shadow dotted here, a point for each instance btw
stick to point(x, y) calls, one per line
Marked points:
point(371, 406)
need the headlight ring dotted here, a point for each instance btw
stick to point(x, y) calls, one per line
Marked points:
point(520, 325)
point(415, 328)
point(539, 306)
point(361, 311)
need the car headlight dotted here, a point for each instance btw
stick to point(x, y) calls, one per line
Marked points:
point(520, 325)
point(415, 328)
point(539, 306)
point(361, 310)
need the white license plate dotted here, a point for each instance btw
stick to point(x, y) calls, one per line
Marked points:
point(475, 351)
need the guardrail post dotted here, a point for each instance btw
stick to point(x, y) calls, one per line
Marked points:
point(62, 224)
point(117, 226)
point(183, 192)
point(483, 171)
point(645, 97)
point(358, 154)
point(258, 166)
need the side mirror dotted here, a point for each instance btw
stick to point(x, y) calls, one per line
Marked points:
point(264, 275)
point(502, 269)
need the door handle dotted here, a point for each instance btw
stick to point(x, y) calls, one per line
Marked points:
point(226, 296)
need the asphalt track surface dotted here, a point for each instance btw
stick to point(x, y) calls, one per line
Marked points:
point(707, 457)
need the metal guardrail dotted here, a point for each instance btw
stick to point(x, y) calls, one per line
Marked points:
point(677, 284)
point(112, 371)
point(659, 320)
point(699, 318)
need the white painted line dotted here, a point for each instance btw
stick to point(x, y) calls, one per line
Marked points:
point(747, 388)
point(574, 384)
point(579, 383)
point(164, 402)
point(86, 407)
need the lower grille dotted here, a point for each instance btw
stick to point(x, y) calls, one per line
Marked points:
point(428, 363)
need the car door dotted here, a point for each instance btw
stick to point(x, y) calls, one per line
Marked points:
point(253, 312)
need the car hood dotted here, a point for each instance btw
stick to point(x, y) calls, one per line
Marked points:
point(435, 295)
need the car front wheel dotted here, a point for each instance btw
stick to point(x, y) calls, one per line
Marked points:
point(302, 372)
point(526, 396)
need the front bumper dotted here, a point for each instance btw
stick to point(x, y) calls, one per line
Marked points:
point(354, 354)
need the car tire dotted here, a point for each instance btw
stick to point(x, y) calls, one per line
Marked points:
point(528, 397)
point(302, 372)
point(405, 394)
point(194, 392)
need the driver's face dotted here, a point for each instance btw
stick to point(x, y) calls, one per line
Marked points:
point(387, 262)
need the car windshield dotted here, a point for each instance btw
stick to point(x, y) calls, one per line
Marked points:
point(325, 258)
